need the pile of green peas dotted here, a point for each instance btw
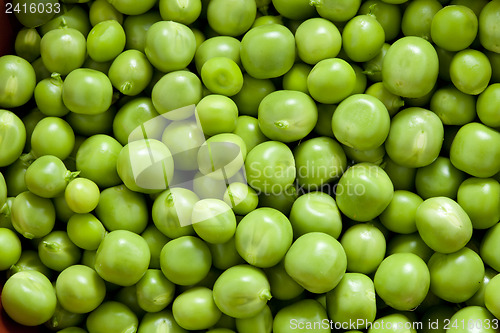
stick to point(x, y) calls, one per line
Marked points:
point(251, 166)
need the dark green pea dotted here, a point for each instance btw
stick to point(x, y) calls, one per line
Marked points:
point(128, 296)
point(375, 156)
point(262, 322)
point(490, 245)
point(387, 14)
point(418, 16)
point(33, 216)
point(480, 198)
point(478, 298)
point(445, 58)
point(63, 212)
point(154, 291)
point(72, 16)
point(32, 19)
point(101, 10)
point(156, 240)
point(29, 261)
point(136, 27)
point(452, 106)
point(323, 126)
point(41, 72)
point(112, 316)
point(27, 44)
point(92, 124)
point(225, 255)
point(352, 300)
point(48, 96)
point(437, 317)
point(440, 178)
point(402, 177)
point(58, 252)
point(373, 67)
point(296, 78)
point(102, 67)
point(283, 287)
point(409, 243)
point(63, 318)
point(251, 94)
point(391, 101)
point(302, 316)
point(159, 321)
point(5, 214)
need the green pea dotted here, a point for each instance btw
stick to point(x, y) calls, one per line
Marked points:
point(317, 39)
point(296, 78)
point(331, 81)
point(12, 128)
point(440, 178)
point(195, 309)
point(231, 18)
point(85, 231)
point(72, 17)
point(130, 72)
point(490, 247)
point(283, 287)
point(453, 106)
point(33, 216)
point(303, 316)
point(251, 94)
point(364, 246)
point(261, 322)
point(282, 200)
point(63, 50)
point(478, 299)
point(172, 211)
point(63, 318)
point(352, 300)
point(415, 137)
point(241, 291)
point(316, 261)
point(475, 150)
point(112, 316)
point(136, 27)
point(213, 220)
point(156, 240)
point(158, 321)
point(27, 44)
point(263, 237)
point(185, 260)
point(219, 46)
point(57, 251)
point(217, 113)
point(326, 214)
point(10, 247)
point(364, 191)
point(101, 10)
point(479, 192)
point(154, 291)
point(337, 11)
point(225, 255)
point(387, 14)
point(456, 277)
point(222, 75)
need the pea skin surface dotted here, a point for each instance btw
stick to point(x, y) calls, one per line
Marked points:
point(250, 166)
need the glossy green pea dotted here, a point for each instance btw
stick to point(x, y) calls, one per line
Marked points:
point(231, 18)
point(121, 246)
point(247, 128)
point(453, 106)
point(263, 237)
point(128, 7)
point(47, 176)
point(96, 159)
point(283, 287)
point(478, 299)
point(183, 138)
point(337, 11)
point(316, 261)
point(218, 46)
point(262, 322)
point(415, 137)
point(443, 224)
point(12, 137)
point(122, 209)
point(213, 221)
point(130, 72)
point(79, 289)
point(290, 123)
point(48, 96)
point(222, 75)
point(52, 136)
point(150, 174)
point(275, 59)
point(417, 18)
point(185, 260)
point(154, 291)
point(364, 191)
point(57, 251)
point(106, 40)
point(470, 71)
point(302, 316)
point(478, 192)
point(409, 243)
point(490, 300)
point(101, 10)
point(456, 277)
point(112, 316)
point(136, 27)
point(487, 26)
point(391, 273)
point(362, 38)
point(172, 211)
point(440, 178)
point(414, 54)
point(296, 78)
point(475, 319)
point(10, 247)
point(176, 90)
point(186, 13)
point(134, 114)
point(156, 241)
point(361, 121)
point(319, 161)
point(241, 291)
point(270, 166)
point(295, 10)
point(82, 195)
point(157, 321)
point(490, 247)
point(5, 214)
point(17, 81)
point(195, 309)
point(311, 38)
point(454, 28)
point(169, 46)
point(476, 150)
point(331, 81)
point(323, 208)
point(399, 216)
point(32, 216)
point(29, 261)
point(14, 177)
point(364, 246)
point(128, 297)
point(352, 300)
point(29, 298)
point(27, 44)
point(63, 50)
point(217, 113)
point(251, 94)
point(85, 231)
point(486, 105)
